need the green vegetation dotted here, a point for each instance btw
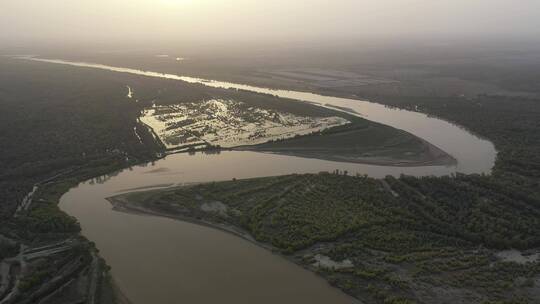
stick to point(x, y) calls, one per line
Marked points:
point(56, 121)
point(438, 233)
point(7, 248)
point(57, 128)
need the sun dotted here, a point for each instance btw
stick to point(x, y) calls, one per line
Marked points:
point(176, 2)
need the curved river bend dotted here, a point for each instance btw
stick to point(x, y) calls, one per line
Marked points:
point(163, 261)
point(473, 155)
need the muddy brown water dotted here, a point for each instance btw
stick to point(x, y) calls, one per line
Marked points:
point(159, 260)
point(473, 154)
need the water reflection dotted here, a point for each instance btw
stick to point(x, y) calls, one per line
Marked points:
point(473, 154)
point(104, 178)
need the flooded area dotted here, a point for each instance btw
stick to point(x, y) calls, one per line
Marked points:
point(228, 123)
point(160, 260)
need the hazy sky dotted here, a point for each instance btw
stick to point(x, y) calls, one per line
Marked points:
point(61, 21)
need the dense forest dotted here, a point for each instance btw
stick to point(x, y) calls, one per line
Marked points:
point(57, 124)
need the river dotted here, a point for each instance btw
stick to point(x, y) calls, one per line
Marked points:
point(159, 260)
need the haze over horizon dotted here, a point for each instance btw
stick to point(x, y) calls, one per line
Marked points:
point(117, 22)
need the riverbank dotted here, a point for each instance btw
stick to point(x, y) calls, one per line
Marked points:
point(355, 145)
point(375, 243)
point(352, 143)
point(121, 203)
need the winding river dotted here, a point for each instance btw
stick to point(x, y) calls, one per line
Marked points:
point(159, 260)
